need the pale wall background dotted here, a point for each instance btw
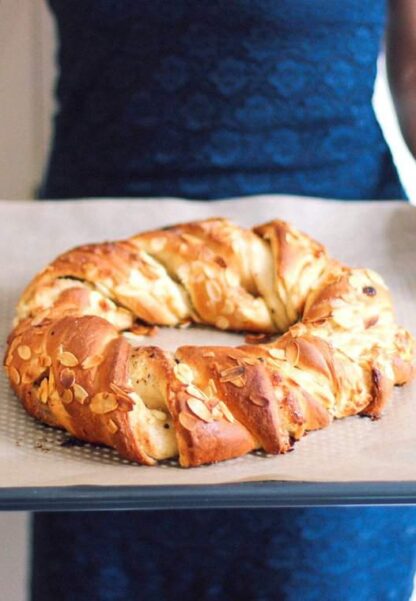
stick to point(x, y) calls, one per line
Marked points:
point(27, 47)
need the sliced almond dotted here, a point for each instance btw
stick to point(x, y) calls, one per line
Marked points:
point(227, 413)
point(183, 272)
point(238, 382)
point(277, 353)
point(217, 414)
point(196, 392)
point(232, 373)
point(249, 360)
point(67, 397)
point(357, 280)
point(112, 426)
point(157, 244)
point(121, 392)
point(36, 346)
point(343, 317)
point(54, 397)
point(208, 354)
point(375, 277)
point(103, 402)
point(36, 321)
point(28, 377)
point(291, 237)
point(125, 404)
point(191, 239)
point(292, 353)
point(159, 415)
point(208, 271)
point(188, 421)
point(45, 361)
point(14, 375)
point(51, 382)
point(67, 378)
point(228, 307)
point(298, 330)
point(211, 389)
point(213, 290)
point(258, 399)
point(67, 359)
point(257, 338)
point(24, 352)
point(183, 373)
point(231, 278)
point(44, 391)
point(222, 323)
point(80, 393)
point(199, 408)
point(92, 361)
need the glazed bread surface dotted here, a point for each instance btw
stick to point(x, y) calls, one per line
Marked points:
point(331, 347)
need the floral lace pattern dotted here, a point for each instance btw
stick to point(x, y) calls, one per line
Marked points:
point(220, 98)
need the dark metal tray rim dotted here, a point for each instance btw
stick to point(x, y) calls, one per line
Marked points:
point(270, 494)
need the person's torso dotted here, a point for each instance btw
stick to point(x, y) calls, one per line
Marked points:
point(219, 98)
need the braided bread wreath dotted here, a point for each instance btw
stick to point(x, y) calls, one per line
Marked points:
point(72, 368)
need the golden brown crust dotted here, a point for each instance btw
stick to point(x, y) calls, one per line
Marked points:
point(69, 364)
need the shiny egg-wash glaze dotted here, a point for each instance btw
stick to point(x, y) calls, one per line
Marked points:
point(341, 355)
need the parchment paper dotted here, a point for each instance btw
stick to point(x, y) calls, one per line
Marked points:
point(377, 235)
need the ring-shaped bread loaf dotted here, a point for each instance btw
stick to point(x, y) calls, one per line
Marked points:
point(341, 354)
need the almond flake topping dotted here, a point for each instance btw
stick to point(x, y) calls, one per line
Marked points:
point(103, 402)
point(249, 360)
point(227, 413)
point(217, 414)
point(67, 377)
point(112, 426)
point(188, 421)
point(292, 353)
point(232, 373)
point(121, 392)
point(258, 399)
point(14, 375)
point(208, 354)
point(213, 290)
point(92, 361)
point(159, 415)
point(344, 318)
point(45, 361)
point(231, 278)
point(157, 244)
point(277, 353)
point(51, 382)
point(222, 323)
point(211, 389)
point(80, 393)
point(67, 359)
point(238, 382)
point(228, 307)
point(67, 397)
point(196, 392)
point(199, 409)
point(183, 373)
point(24, 352)
point(43, 391)
point(298, 330)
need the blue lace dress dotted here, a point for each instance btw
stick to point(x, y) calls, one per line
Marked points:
point(217, 99)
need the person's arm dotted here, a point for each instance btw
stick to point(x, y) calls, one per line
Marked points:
point(401, 65)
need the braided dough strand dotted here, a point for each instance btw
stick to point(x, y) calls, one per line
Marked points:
point(341, 355)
